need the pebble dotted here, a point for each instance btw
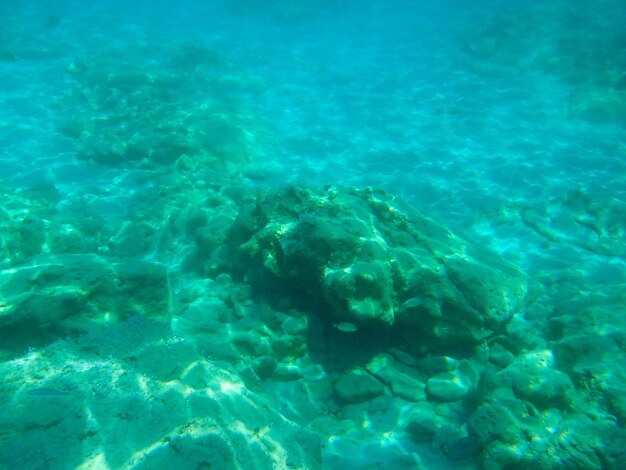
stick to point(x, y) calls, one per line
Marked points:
point(448, 386)
point(286, 373)
point(357, 387)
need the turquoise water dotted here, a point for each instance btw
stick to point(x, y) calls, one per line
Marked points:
point(312, 235)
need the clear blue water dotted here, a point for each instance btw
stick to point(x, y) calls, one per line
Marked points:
point(125, 127)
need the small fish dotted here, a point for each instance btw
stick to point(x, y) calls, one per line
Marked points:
point(345, 327)
point(413, 302)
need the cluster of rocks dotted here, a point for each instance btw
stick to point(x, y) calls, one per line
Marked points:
point(577, 52)
point(154, 109)
point(300, 313)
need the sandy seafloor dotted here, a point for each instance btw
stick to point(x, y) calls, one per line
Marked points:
point(131, 137)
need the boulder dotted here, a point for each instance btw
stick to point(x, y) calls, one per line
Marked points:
point(448, 386)
point(357, 386)
point(364, 257)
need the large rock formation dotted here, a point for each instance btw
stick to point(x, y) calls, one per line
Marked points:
point(361, 256)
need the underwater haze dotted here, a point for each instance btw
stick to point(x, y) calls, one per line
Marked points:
point(313, 234)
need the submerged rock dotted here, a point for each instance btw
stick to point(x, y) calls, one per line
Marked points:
point(62, 294)
point(363, 258)
point(448, 386)
point(402, 381)
point(358, 386)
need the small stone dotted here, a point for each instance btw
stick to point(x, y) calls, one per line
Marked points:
point(285, 373)
point(402, 380)
point(438, 364)
point(288, 346)
point(545, 388)
point(403, 357)
point(407, 387)
point(495, 423)
point(250, 343)
point(295, 325)
point(223, 279)
point(358, 386)
point(382, 367)
point(448, 386)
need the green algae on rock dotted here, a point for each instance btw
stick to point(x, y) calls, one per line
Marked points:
point(364, 257)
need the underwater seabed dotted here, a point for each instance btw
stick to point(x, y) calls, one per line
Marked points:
point(303, 328)
point(215, 254)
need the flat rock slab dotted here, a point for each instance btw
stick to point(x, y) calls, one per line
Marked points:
point(61, 294)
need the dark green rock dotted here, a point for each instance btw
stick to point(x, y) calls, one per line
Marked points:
point(364, 257)
point(448, 386)
point(357, 386)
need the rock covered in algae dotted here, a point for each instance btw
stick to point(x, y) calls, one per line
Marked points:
point(528, 415)
point(363, 257)
point(62, 294)
point(181, 108)
point(357, 386)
